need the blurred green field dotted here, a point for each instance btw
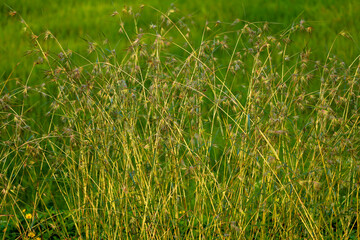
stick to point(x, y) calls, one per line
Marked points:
point(70, 21)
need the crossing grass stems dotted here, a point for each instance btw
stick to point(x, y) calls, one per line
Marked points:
point(240, 135)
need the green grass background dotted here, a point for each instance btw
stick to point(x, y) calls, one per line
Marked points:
point(70, 21)
point(75, 22)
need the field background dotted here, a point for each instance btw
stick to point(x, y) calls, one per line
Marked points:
point(200, 137)
point(70, 21)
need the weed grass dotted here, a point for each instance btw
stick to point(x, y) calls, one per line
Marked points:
point(72, 21)
point(240, 135)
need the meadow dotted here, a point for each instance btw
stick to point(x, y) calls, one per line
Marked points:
point(191, 120)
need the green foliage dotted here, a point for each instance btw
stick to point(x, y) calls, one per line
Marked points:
point(175, 128)
point(47, 225)
point(70, 21)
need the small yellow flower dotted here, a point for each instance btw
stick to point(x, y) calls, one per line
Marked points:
point(31, 234)
point(37, 238)
point(28, 216)
point(24, 210)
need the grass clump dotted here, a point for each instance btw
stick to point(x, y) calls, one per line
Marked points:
point(240, 135)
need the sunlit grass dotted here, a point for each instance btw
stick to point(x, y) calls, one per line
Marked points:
point(241, 135)
point(72, 21)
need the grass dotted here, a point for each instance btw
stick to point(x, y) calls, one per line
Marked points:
point(91, 20)
point(226, 131)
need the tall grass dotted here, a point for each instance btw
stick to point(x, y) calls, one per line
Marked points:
point(239, 136)
point(70, 21)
